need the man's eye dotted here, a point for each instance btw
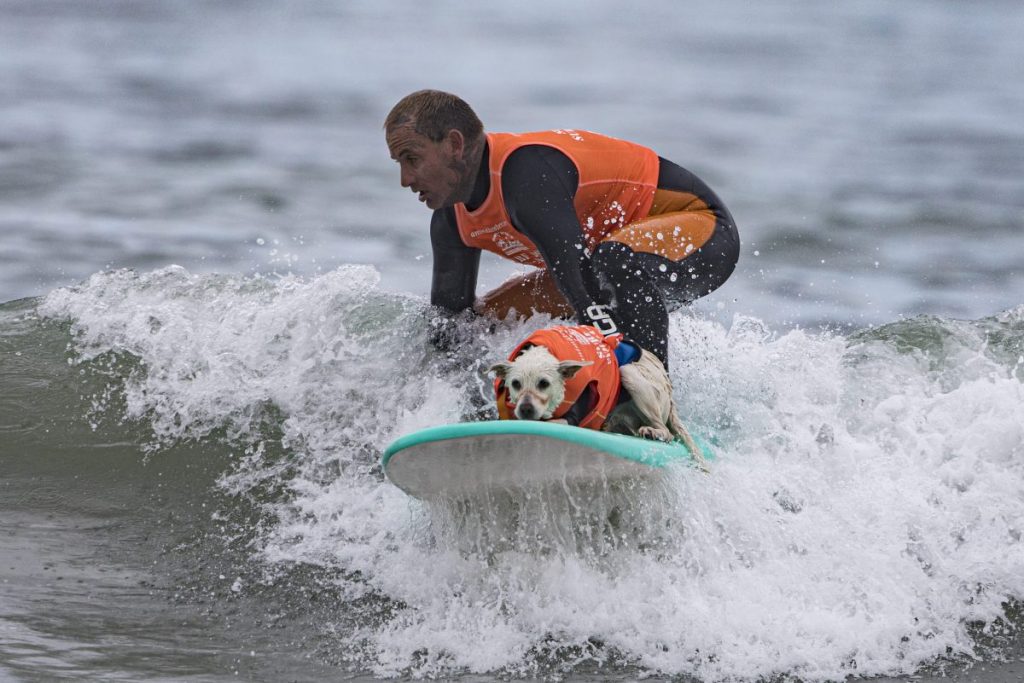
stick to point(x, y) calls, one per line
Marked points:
point(543, 384)
point(516, 384)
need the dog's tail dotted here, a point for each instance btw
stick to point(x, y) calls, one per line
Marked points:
point(675, 425)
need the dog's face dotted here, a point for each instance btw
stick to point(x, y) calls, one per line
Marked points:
point(536, 381)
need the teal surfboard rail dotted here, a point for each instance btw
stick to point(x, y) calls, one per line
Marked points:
point(651, 453)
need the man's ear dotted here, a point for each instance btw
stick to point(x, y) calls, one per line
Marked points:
point(457, 143)
point(568, 368)
point(500, 369)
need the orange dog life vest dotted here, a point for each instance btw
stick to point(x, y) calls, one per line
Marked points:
point(583, 343)
point(617, 181)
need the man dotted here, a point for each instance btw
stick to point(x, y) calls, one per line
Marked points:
point(615, 231)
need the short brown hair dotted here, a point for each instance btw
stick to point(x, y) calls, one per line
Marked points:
point(433, 113)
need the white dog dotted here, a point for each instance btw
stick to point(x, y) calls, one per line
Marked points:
point(534, 382)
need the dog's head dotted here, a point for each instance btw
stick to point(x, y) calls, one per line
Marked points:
point(535, 381)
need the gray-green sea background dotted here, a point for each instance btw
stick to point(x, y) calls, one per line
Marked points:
point(215, 322)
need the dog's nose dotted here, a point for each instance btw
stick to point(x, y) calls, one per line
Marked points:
point(527, 411)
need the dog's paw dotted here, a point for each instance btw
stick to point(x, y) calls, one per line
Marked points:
point(655, 433)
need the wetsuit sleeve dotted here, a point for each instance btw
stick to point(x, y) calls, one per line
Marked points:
point(538, 184)
point(456, 266)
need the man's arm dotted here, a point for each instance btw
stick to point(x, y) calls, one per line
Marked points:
point(455, 265)
point(539, 184)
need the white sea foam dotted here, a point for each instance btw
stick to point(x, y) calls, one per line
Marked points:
point(867, 503)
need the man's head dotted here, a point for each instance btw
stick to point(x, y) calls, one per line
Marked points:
point(437, 140)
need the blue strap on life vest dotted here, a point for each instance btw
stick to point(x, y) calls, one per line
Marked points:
point(626, 353)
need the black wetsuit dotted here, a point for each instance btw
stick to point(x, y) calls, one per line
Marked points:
point(538, 184)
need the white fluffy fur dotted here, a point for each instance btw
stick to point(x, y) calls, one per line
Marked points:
point(536, 382)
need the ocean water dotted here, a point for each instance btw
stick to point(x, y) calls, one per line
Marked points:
point(215, 323)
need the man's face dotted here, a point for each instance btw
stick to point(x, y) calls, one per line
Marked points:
point(431, 169)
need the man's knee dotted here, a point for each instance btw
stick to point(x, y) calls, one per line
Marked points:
point(533, 292)
point(613, 260)
point(720, 257)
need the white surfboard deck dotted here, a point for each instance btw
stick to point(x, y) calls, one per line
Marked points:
point(474, 457)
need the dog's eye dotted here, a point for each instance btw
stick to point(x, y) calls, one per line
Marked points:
point(516, 384)
point(543, 384)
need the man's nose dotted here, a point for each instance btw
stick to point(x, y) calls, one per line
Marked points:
point(405, 178)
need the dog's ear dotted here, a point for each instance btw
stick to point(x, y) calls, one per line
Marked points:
point(500, 369)
point(568, 368)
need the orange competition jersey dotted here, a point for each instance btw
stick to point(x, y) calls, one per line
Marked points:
point(579, 342)
point(617, 180)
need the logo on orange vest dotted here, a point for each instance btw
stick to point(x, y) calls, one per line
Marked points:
point(508, 243)
point(570, 132)
point(486, 231)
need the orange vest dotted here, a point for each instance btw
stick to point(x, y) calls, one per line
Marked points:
point(617, 180)
point(580, 342)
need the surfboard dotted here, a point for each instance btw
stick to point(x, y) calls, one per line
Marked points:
point(469, 458)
